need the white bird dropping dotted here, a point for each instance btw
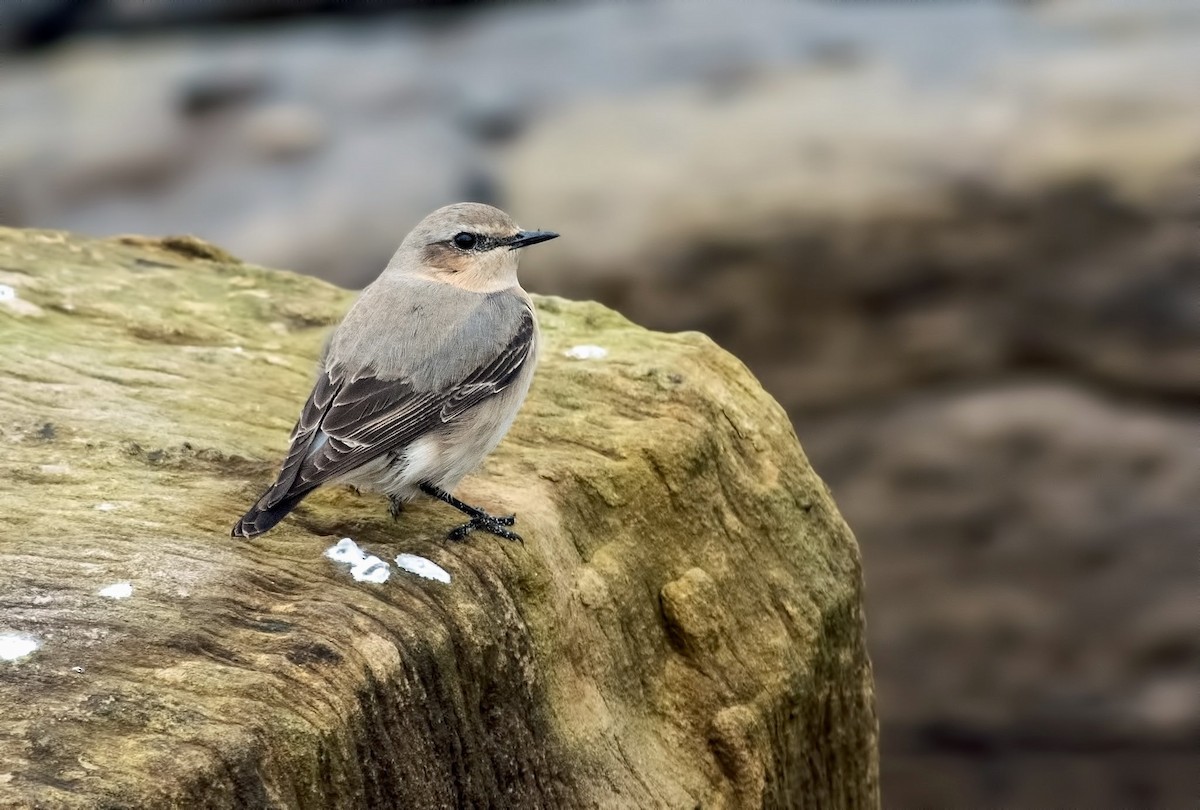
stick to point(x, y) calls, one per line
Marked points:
point(16, 645)
point(586, 351)
point(363, 567)
point(371, 569)
point(422, 567)
point(118, 590)
point(344, 551)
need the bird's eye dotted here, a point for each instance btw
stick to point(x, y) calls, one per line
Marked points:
point(465, 241)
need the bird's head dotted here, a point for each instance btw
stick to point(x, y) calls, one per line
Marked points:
point(469, 245)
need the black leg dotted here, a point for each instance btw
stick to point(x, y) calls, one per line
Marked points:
point(395, 507)
point(481, 520)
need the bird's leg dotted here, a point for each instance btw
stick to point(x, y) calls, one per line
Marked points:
point(395, 506)
point(492, 524)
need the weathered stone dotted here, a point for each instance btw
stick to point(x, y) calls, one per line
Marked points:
point(682, 627)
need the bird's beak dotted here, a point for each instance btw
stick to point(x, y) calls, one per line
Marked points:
point(526, 238)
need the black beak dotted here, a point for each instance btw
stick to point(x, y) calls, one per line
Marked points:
point(527, 238)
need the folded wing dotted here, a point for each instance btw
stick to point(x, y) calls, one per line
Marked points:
point(350, 420)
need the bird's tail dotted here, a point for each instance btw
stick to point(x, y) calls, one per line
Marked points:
point(264, 515)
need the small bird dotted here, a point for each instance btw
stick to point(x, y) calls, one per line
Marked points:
point(423, 376)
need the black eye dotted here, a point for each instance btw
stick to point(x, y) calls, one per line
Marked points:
point(465, 240)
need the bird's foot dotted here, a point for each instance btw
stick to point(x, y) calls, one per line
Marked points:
point(395, 507)
point(480, 520)
point(492, 524)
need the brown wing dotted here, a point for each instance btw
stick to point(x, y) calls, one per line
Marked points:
point(349, 421)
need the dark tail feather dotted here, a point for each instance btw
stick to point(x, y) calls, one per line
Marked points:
point(262, 518)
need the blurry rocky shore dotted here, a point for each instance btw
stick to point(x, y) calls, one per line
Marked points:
point(957, 241)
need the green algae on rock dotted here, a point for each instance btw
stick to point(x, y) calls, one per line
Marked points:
point(683, 626)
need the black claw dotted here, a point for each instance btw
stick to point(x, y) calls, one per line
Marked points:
point(489, 524)
point(507, 535)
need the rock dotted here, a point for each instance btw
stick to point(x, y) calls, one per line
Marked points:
point(285, 132)
point(1128, 316)
point(682, 627)
point(1031, 569)
point(221, 88)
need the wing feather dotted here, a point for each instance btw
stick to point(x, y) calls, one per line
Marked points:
point(349, 421)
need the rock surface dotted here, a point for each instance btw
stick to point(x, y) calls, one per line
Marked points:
point(682, 627)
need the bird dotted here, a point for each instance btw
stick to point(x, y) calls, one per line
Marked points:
point(423, 376)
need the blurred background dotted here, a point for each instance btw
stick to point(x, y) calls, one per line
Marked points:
point(957, 240)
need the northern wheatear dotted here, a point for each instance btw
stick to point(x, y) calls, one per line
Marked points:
point(423, 376)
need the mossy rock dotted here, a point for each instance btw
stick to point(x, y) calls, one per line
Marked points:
point(682, 627)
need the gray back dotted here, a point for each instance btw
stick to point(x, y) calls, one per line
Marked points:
point(429, 333)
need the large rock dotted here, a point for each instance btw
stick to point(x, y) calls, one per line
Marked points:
point(1033, 581)
point(682, 627)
